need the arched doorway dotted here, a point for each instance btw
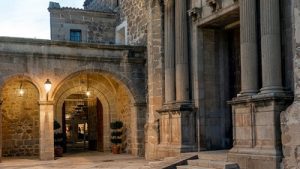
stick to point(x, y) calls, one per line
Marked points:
point(109, 100)
point(20, 118)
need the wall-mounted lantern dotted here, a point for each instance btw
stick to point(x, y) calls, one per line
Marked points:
point(47, 86)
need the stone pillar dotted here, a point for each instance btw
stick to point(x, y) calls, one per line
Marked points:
point(177, 117)
point(249, 57)
point(270, 46)
point(169, 51)
point(181, 50)
point(155, 80)
point(46, 131)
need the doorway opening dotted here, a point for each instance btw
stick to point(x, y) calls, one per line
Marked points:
point(221, 80)
point(82, 124)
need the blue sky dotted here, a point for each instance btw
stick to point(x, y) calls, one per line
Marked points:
point(29, 18)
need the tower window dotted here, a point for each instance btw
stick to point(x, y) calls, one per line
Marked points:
point(75, 35)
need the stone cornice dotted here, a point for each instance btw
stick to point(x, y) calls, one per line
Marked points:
point(261, 97)
point(138, 60)
point(28, 41)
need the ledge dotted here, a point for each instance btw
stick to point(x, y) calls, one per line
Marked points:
point(177, 106)
point(262, 97)
point(46, 103)
point(30, 41)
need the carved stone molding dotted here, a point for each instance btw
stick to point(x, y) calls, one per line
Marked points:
point(214, 4)
point(195, 13)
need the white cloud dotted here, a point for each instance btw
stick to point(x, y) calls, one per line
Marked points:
point(29, 18)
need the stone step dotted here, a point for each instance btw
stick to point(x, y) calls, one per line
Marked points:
point(213, 164)
point(171, 162)
point(213, 155)
point(191, 167)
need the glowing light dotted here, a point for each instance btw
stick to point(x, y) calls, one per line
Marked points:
point(88, 93)
point(47, 85)
point(21, 92)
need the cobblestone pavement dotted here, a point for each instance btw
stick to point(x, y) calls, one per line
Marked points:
point(84, 160)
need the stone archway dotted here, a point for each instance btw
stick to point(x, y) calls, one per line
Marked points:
point(116, 100)
point(20, 118)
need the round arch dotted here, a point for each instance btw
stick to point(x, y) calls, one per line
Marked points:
point(120, 79)
point(21, 77)
point(106, 88)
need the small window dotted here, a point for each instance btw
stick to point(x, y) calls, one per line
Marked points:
point(75, 35)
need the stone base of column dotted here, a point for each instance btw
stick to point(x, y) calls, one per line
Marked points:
point(167, 150)
point(47, 156)
point(248, 92)
point(177, 129)
point(256, 130)
point(271, 89)
point(256, 159)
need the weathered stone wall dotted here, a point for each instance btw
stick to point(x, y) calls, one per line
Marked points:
point(290, 119)
point(124, 112)
point(135, 13)
point(101, 5)
point(20, 120)
point(155, 78)
point(96, 27)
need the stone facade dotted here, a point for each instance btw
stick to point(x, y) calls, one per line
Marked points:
point(95, 27)
point(101, 5)
point(155, 78)
point(110, 69)
point(135, 14)
point(217, 75)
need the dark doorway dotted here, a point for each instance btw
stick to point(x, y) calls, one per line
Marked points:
point(234, 62)
point(221, 81)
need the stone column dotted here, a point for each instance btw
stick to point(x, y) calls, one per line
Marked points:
point(169, 51)
point(270, 46)
point(46, 131)
point(181, 50)
point(249, 57)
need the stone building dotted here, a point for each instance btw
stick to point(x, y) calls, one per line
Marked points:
point(183, 76)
